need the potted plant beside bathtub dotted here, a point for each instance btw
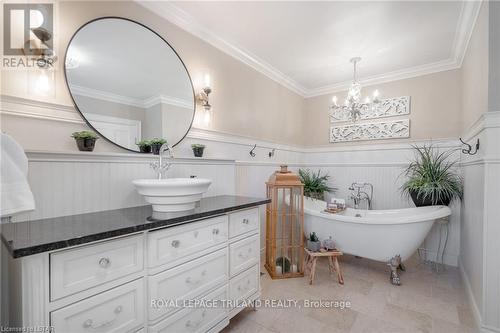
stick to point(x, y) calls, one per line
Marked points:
point(432, 178)
point(315, 184)
point(313, 243)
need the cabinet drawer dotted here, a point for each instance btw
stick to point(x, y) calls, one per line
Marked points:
point(196, 319)
point(187, 282)
point(243, 221)
point(85, 267)
point(243, 254)
point(167, 246)
point(245, 284)
point(118, 310)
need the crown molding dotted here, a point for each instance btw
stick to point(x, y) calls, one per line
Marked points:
point(406, 73)
point(105, 96)
point(465, 26)
point(147, 103)
point(136, 102)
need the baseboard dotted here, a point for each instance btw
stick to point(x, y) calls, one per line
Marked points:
point(470, 296)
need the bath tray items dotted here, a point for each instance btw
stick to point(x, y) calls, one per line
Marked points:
point(334, 210)
point(335, 206)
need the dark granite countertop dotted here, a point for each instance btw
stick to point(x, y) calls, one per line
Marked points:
point(37, 236)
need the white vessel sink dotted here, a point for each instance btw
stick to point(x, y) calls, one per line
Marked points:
point(172, 194)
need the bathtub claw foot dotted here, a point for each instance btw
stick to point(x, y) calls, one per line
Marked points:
point(395, 280)
point(394, 264)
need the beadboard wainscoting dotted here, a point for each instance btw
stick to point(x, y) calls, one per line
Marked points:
point(479, 246)
point(74, 183)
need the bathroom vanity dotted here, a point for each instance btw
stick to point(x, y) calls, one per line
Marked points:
point(122, 271)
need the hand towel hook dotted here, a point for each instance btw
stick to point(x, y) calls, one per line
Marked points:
point(252, 153)
point(468, 150)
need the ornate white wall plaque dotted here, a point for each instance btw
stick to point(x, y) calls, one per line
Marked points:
point(390, 107)
point(370, 131)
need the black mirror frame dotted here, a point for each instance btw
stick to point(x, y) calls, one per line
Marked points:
point(163, 39)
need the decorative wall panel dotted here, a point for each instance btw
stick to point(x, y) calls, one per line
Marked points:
point(370, 131)
point(390, 107)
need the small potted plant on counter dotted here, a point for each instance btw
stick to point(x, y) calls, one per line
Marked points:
point(313, 243)
point(156, 145)
point(144, 146)
point(315, 184)
point(85, 140)
point(432, 178)
point(198, 149)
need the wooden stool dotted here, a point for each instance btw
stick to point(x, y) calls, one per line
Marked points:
point(333, 264)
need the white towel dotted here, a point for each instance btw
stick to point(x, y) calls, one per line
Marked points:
point(16, 195)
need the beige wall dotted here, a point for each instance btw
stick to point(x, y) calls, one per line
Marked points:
point(435, 108)
point(244, 101)
point(474, 71)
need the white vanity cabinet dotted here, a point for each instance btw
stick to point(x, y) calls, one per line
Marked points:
point(150, 281)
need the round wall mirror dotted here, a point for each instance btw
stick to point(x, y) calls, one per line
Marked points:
point(128, 83)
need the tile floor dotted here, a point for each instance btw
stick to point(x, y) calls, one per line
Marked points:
point(426, 301)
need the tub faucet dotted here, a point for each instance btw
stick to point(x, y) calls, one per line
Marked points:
point(358, 195)
point(161, 166)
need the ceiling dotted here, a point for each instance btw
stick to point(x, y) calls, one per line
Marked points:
point(306, 46)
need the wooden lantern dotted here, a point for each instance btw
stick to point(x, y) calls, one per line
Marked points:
point(285, 225)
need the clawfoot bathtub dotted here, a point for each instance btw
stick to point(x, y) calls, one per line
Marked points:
point(390, 236)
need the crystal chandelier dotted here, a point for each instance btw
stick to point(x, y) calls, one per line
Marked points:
point(353, 109)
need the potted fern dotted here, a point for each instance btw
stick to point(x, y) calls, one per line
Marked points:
point(315, 184)
point(431, 178)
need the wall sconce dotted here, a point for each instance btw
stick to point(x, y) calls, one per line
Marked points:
point(41, 82)
point(202, 97)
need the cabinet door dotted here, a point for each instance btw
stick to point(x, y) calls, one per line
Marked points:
point(243, 254)
point(186, 282)
point(196, 319)
point(243, 221)
point(118, 310)
point(88, 266)
point(173, 246)
point(244, 285)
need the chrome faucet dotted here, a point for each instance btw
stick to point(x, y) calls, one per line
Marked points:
point(357, 195)
point(161, 166)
